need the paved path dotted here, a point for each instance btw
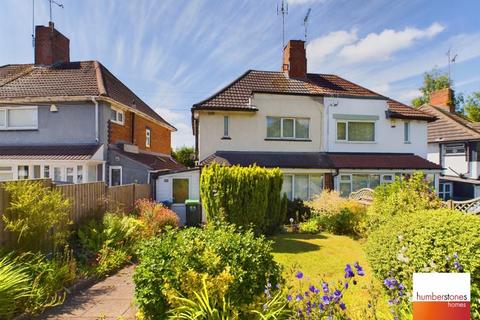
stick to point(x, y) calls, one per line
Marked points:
point(110, 299)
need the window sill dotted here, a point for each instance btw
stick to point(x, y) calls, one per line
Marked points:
point(355, 142)
point(19, 129)
point(288, 139)
point(407, 142)
point(226, 138)
point(117, 122)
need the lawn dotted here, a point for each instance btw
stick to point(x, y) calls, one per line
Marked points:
point(323, 257)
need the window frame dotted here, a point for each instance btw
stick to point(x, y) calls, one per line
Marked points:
point(117, 112)
point(7, 127)
point(110, 169)
point(226, 126)
point(294, 129)
point(451, 145)
point(347, 125)
point(11, 171)
point(407, 132)
point(309, 191)
point(350, 178)
point(188, 190)
point(148, 137)
point(442, 193)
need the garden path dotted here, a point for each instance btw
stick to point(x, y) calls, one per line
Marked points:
point(110, 299)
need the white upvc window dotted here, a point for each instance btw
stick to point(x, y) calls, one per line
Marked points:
point(117, 116)
point(226, 120)
point(148, 137)
point(353, 182)
point(406, 132)
point(355, 131)
point(6, 173)
point(302, 186)
point(79, 174)
point(288, 128)
point(455, 149)
point(115, 175)
point(445, 191)
point(19, 118)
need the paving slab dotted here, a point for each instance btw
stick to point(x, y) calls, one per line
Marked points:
point(111, 298)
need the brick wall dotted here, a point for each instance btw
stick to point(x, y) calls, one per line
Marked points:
point(136, 124)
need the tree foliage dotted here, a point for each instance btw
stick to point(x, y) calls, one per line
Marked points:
point(185, 155)
point(432, 81)
point(472, 107)
point(245, 196)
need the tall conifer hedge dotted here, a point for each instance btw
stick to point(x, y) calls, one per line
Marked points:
point(246, 196)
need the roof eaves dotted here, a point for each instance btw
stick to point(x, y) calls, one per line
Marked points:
point(449, 116)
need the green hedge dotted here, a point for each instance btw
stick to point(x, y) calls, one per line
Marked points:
point(235, 265)
point(427, 241)
point(245, 196)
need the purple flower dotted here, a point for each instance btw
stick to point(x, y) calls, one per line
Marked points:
point(299, 297)
point(342, 306)
point(390, 283)
point(312, 288)
point(326, 299)
point(458, 266)
point(325, 287)
point(346, 285)
point(299, 275)
point(349, 272)
point(337, 294)
point(455, 255)
point(289, 298)
point(360, 270)
point(321, 306)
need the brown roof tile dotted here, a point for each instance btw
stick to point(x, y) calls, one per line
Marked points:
point(450, 126)
point(322, 160)
point(236, 95)
point(73, 79)
point(49, 152)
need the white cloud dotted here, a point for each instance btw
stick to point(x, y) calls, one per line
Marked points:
point(321, 47)
point(169, 115)
point(381, 46)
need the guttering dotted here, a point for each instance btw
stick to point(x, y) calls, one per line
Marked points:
point(96, 119)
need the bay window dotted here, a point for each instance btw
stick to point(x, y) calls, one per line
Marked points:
point(288, 128)
point(19, 118)
point(356, 131)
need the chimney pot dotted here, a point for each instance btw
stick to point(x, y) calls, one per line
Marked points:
point(51, 46)
point(443, 98)
point(295, 59)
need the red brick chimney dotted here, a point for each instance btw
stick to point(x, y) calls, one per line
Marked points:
point(50, 46)
point(295, 59)
point(443, 98)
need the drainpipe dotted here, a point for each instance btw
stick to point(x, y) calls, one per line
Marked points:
point(96, 119)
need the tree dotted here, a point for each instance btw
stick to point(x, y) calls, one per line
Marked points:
point(185, 155)
point(472, 107)
point(432, 81)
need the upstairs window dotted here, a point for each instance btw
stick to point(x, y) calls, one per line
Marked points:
point(355, 131)
point(456, 148)
point(148, 137)
point(226, 121)
point(19, 118)
point(406, 132)
point(117, 116)
point(288, 128)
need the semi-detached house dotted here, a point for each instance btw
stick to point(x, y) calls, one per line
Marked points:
point(320, 129)
point(76, 122)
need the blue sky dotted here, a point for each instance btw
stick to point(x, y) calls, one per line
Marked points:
point(174, 53)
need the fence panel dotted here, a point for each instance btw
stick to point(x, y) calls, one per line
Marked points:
point(87, 199)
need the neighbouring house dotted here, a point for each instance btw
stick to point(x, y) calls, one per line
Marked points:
point(453, 143)
point(76, 122)
point(322, 131)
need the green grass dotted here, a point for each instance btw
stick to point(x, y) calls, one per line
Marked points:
point(323, 257)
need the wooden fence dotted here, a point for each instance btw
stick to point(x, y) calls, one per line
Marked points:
point(88, 200)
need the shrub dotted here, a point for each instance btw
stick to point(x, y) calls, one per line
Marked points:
point(402, 196)
point(426, 241)
point(156, 217)
point(15, 285)
point(245, 196)
point(336, 214)
point(37, 216)
point(110, 243)
point(234, 264)
point(297, 210)
point(310, 226)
